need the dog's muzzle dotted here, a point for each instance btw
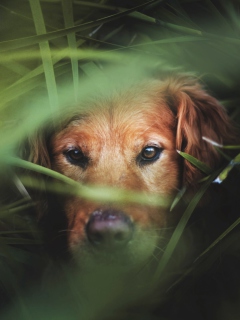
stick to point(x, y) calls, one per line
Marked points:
point(109, 229)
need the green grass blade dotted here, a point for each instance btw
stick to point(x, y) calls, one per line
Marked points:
point(180, 13)
point(92, 70)
point(46, 54)
point(13, 92)
point(223, 22)
point(33, 79)
point(232, 13)
point(10, 211)
point(19, 43)
point(197, 163)
point(219, 239)
point(180, 227)
point(98, 5)
point(216, 144)
point(179, 39)
point(190, 31)
point(97, 193)
point(39, 169)
point(16, 67)
point(68, 22)
point(178, 198)
point(224, 174)
point(17, 240)
point(209, 254)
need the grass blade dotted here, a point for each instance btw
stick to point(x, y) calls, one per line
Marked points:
point(178, 197)
point(46, 54)
point(179, 39)
point(8, 240)
point(233, 163)
point(180, 227)
point(197, 163)
point(68, 22)
point(190, 31)
point(219, 239)
point(216, 144)
point(97, 193)
point(219, 16)
point(19, 43)
point(209, 254)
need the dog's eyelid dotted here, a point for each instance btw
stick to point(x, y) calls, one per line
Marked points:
point(149, 155)
point(154, 144)
point(76, 157)
point(70, 148)
point(151, 149)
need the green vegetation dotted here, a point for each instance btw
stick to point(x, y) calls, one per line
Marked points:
point(51, 52)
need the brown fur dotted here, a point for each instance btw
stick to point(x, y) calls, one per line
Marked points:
point(173, 113)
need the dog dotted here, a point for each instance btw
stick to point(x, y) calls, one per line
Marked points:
point(128, 139)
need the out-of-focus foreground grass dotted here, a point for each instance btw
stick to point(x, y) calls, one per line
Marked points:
point(52, 52)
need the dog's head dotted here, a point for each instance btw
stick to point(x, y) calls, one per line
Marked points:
point(129, 140)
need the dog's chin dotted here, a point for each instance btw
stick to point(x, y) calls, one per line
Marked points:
point(135, 255)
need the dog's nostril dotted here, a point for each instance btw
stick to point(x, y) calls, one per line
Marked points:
point(109, 229)
point(119, 236)
point(96, 237)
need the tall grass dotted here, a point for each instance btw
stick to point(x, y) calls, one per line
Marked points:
point(49, 46)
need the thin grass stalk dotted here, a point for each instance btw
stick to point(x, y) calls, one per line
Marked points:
point(23, 42)
point(214, 9)
point(46, 54)
point(16, 67)
point(68, 22)
point(218, 240)
point(95, 193)
point(15, 89)
point(180, 227)
point(205, 254)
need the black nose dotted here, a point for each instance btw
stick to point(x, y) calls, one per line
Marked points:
point(109, 229)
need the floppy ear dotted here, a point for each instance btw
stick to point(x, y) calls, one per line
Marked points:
point(198, 115)
point(36, 150)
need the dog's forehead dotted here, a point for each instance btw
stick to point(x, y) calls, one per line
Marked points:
point(134, 107)
point(133, 116)
point(129, 136)
point(121, 119)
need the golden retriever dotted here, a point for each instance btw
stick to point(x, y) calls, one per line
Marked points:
point(129, 139)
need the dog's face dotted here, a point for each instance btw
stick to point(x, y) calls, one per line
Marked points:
point(127, 144)
point(130, 141)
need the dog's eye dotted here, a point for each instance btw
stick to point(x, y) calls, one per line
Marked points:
point(149, 154)
point(76, 157)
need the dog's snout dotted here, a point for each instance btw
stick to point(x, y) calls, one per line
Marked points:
point(109, 229)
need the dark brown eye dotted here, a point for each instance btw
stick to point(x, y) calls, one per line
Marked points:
point(149, 154)
point(76, 157)
point(75, 154)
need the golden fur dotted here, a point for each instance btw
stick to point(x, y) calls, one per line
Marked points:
point(172, 113)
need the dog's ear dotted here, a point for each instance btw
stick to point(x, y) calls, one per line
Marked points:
point(198, 115)
point(36, 149)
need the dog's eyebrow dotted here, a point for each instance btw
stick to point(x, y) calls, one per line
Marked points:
point(74, 118)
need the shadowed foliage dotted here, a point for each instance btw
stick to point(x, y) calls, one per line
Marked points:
point(51, 52)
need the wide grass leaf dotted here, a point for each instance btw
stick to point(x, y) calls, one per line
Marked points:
point(19, 43)
point(197, 163)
